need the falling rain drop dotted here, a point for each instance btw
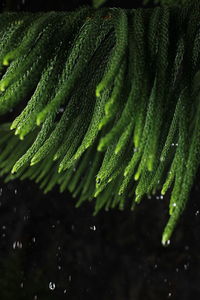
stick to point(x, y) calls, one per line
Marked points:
point(155, 266)
point(169, 295)
point(52, 285)
point(93, 227)
point(17, 245)
point(186, 266)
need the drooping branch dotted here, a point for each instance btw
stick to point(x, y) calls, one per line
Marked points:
point(107, 103)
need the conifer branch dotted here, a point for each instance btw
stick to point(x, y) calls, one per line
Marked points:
point(107, 103)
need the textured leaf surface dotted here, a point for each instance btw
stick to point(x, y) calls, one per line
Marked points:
point(104, 103)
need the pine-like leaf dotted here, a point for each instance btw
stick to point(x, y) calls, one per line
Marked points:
point(104, 103)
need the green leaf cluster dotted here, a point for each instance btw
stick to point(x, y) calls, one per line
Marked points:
point(106, 103)
point(98, 3)
point(170, 2)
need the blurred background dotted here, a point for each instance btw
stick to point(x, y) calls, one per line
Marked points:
point(46, 5)
point(51, 250)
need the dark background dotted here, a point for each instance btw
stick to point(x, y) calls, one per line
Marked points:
point(51, 250)
point(46, 5)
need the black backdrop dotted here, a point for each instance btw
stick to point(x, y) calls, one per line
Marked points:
point(46, 5)
point(50, 250)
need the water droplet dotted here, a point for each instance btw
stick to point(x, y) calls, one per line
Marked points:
point(170, 294)
point(155, 266)
point(93, 227)
point(26, 217)
point(52, 285)
point(17, 245)
point(22, 285)
point(197, 213)
point(65, 291)
point(98, 181)
point(61, 110)
point(186, 266)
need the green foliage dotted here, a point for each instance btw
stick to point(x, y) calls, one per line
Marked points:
point(98, 3)
point(105, 101)
point(170, 2)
